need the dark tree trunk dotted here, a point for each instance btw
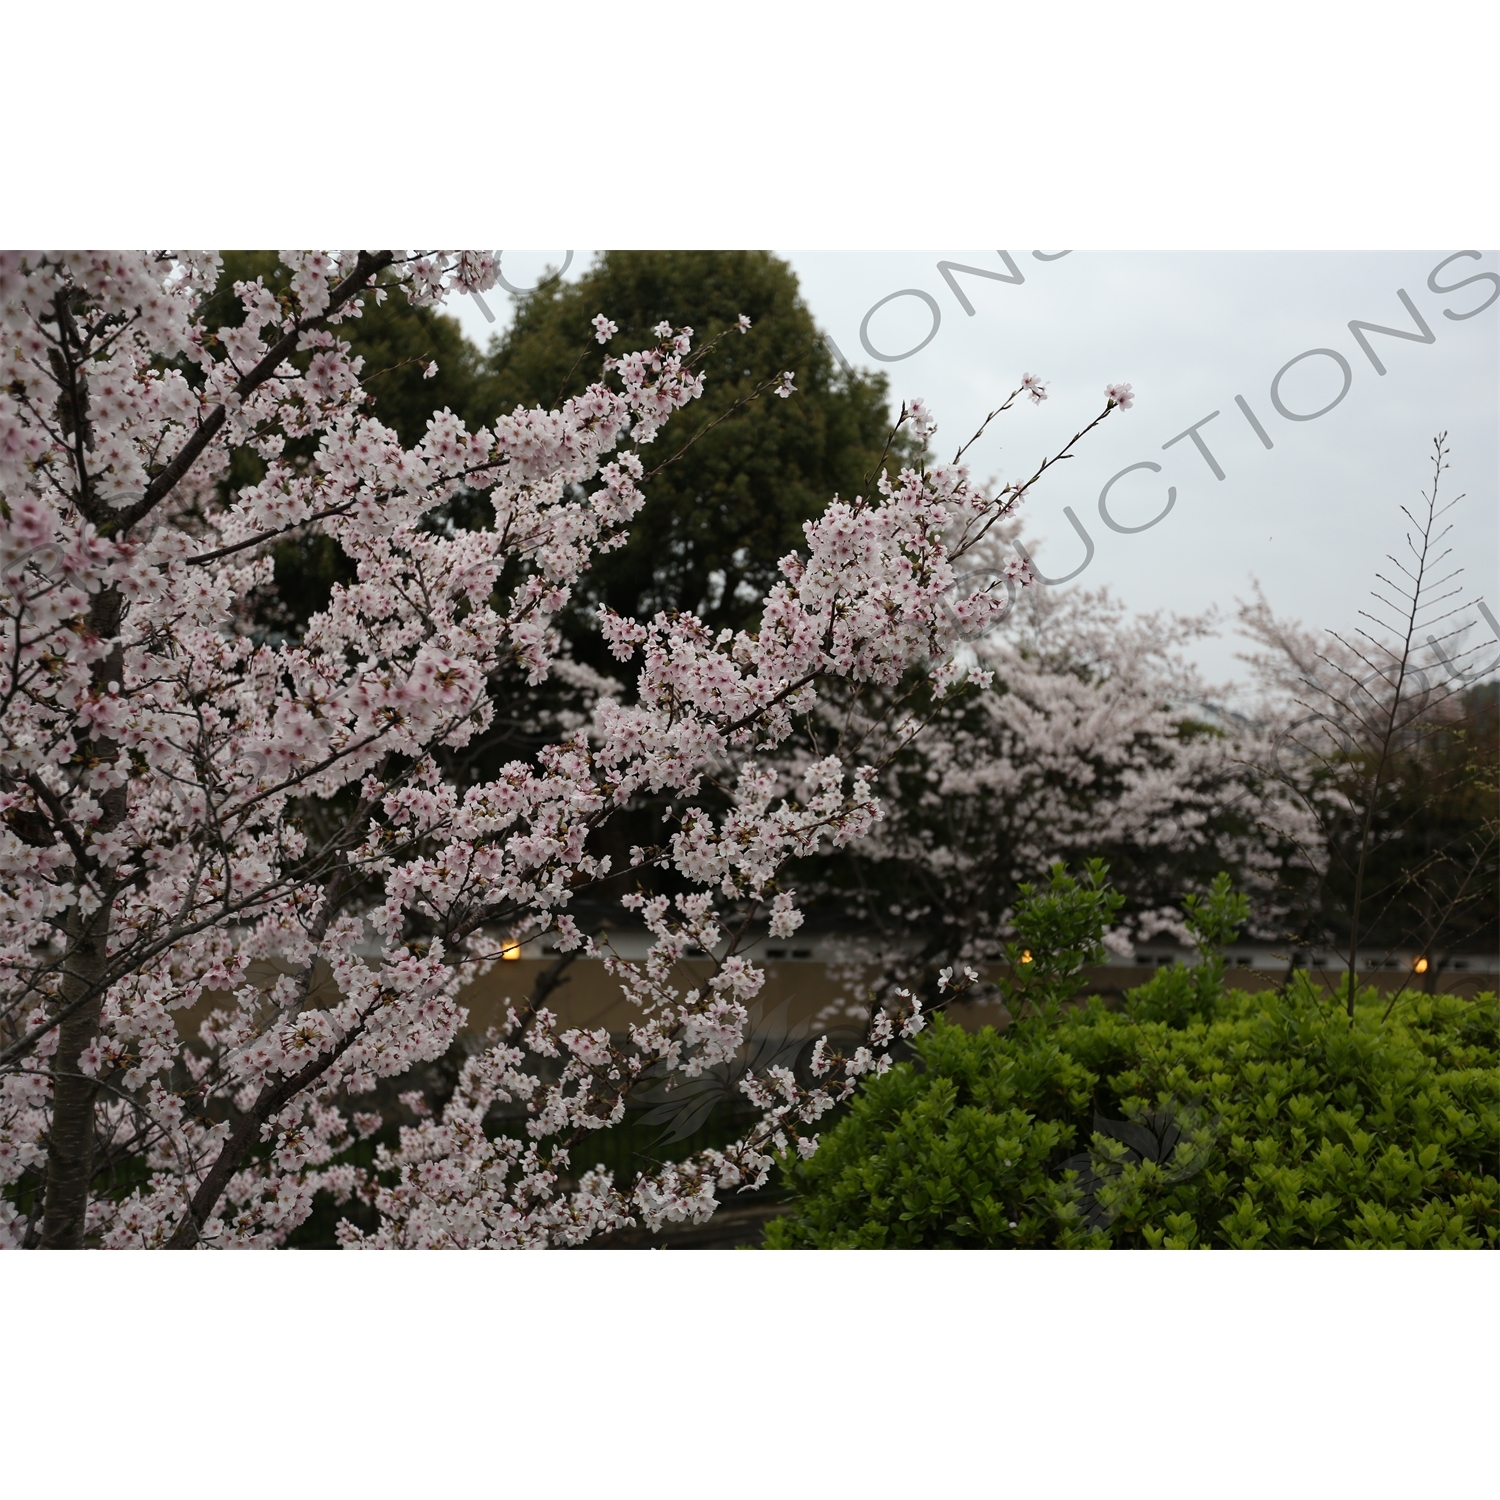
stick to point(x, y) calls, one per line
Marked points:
point(70, 1143)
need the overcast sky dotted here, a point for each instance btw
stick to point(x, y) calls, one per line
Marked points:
point(1312, 517)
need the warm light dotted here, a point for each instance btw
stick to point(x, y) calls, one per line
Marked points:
point(1420, 966)
point(1026, 956)
point(510, 948)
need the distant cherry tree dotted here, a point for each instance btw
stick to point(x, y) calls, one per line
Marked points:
point(1083, 731)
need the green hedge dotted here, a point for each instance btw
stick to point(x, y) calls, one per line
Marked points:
point(1187, 1119)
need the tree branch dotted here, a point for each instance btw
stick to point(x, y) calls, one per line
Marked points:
point(366, 267)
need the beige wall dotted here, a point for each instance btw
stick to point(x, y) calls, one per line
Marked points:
point(590, 998)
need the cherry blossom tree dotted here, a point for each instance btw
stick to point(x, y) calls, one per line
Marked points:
point(1083, 731)
point(200, 819)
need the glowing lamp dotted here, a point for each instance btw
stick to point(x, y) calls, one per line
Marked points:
point(510, 948)
point(1420, 966)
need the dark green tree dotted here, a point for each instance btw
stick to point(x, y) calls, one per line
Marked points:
point(736, 479)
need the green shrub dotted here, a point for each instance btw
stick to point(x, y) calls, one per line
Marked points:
point(1191, 1117)
point(1181, 994)
point(1275, 1123)
point(1059, 932)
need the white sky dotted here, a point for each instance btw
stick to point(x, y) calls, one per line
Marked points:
point(1312, 518)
